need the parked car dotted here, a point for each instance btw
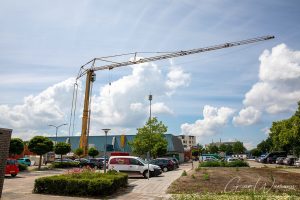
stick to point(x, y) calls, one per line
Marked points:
point(64, 160)
point(258, 159)
point(99, 162)
point(133, 165)
point(271, 157)
point(11, 167)
point(279, 160)
point(25, 161)
point(290, 160)
point(297, 163)
point(165, 164)
point(176, 162)
point(232, 159)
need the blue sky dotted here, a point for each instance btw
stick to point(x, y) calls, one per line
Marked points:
point(43, 44)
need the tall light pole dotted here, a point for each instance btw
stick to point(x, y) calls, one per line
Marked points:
point(105, 131)
point(56, 127)
point(148, 153)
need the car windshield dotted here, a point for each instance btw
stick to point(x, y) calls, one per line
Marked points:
point(142, 161)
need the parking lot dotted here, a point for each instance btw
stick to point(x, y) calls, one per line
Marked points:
point(21, 186)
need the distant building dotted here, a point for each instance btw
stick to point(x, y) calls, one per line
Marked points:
point(188, 141)
point(120, 143)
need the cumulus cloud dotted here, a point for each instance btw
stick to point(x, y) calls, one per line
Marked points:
point(266, 131)
point(124, 102)
point(279, 78)
point(213, 120)
point(48, 107)
point(247, 116)
point(277, 90)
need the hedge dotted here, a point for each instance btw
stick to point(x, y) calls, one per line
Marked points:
point(236, 163)
point(64, 164)
point(81, 184)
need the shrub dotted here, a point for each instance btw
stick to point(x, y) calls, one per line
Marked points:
point(184, 173)
point(64, 164)
point(206, 176)
point(81, 184)
point(22, 167)
point(210, 164)
point(237, 163)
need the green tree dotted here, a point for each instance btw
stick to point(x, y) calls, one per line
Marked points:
point(195, 152)
point(62, 148)
point(265, 145)
point(238, 147)
point(40, 145)
point(150, 138)
point(229, 149)
point(16, 146)
point(213, 148)
point(256, 152)
point(78, 152)
point(93, 152)
point(223, 147)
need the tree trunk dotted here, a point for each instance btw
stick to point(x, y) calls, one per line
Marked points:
point(40, 162)
point(60, 157)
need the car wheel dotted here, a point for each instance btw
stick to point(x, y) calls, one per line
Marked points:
point(145, 174)
point(13, 175)
point(165, 169)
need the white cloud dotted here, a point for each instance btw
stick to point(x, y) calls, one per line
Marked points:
point(279, 78)
point(213, 120)
point(121, 105)
point(247, 116)
point(249, 145)
point(125, 103)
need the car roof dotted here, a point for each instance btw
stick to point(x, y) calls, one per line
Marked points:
point(123, 157)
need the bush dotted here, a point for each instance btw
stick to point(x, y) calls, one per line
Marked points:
point(81, 184)
point(184, 173)
point(22, 167)
point(210, 163)
point(64, 164)
point(237, 163)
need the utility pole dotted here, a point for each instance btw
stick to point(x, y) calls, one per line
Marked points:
point(105, 131)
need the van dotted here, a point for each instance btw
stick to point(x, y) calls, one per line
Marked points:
point(11, 167)
point(133, 165)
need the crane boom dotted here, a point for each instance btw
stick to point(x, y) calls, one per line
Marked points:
point(90, 75)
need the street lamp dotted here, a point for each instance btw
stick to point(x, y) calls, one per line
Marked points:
point(56, 127)
point(105, 131)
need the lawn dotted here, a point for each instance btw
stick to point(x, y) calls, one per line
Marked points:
point(244, 182)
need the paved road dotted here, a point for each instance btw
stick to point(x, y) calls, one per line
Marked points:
point(281, 167)
point(21, 186)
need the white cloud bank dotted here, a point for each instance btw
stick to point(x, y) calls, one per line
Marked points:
point(122, 105)
point(278, 88)
point(213, 120)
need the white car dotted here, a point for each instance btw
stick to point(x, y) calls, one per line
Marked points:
point(133, 165)
point(231, 159)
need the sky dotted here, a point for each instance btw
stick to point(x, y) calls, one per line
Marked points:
point(229, 94)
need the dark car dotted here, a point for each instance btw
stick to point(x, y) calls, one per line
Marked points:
point(271, 157)
point(176, 162)
point(290, 160)
point(87, 163)
point(99, 162)
point(165, 164)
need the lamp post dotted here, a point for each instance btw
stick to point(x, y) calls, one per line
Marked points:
point(148, 153)
point(105, 131)
point(56, 127)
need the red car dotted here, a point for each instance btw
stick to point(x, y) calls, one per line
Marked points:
point(12, 167)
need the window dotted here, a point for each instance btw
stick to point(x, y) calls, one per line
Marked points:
point(133, 161)
point(119, 161)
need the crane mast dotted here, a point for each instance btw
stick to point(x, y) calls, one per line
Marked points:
point(90, 75)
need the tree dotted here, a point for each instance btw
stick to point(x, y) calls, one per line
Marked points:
point(62, 148)
point(238, 148)
point(223, 147)
point(40, 145)
point(150, 138)
point(195, 152)
point(213, 148)
point(16, 146)
point(93, 152)
point(256, 152)
point(229, 149)
point(79, 152)
point(265, 145)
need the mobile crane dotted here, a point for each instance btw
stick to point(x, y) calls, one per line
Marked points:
point(91, 76)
